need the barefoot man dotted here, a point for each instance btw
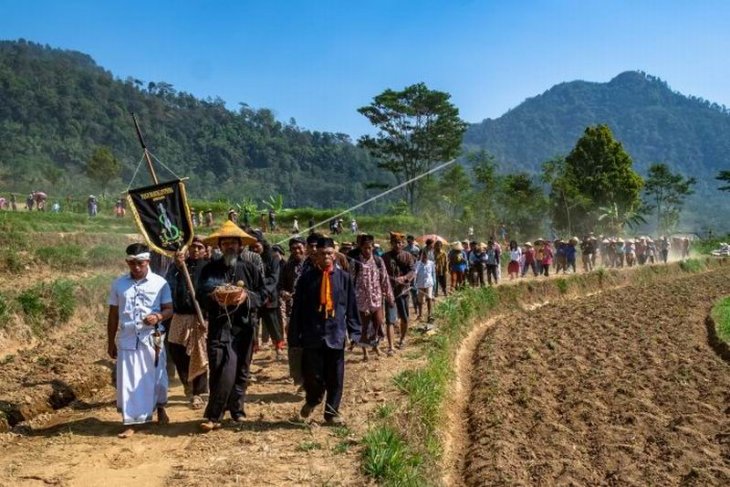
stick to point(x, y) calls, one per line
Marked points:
point(138, 304)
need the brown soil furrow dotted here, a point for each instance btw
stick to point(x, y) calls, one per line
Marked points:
point(618, 388)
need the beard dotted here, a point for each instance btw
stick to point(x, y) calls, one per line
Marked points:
point(230, 258)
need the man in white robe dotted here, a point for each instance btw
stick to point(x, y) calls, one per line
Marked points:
point(138, 304)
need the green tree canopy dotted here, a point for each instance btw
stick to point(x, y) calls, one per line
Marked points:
point(523, 204)
point(103, 168)
point(417, 127)
point(665, 193)
point(598, 173)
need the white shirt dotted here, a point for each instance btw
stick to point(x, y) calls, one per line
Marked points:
point(424, 274)
point(137, 299)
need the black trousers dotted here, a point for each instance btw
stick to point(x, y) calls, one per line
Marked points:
point(492, 273)
point(182, 363)
point(228, 364)
point(295, 364)
point(323, 370)
point(440, 284)
point(270, 321)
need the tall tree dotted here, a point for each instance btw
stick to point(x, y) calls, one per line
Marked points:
point(665, 192)
point(598, 173)
point(484, 166)
point(455, 193)
point(567, 205)
point(522, 203)
point(103, 168)
point(417, 127)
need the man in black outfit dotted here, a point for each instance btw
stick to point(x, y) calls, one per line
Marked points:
point(230, 330)
point(186, 337)
point(323, 313)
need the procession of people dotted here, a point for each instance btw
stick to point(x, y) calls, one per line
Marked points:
point(323, 300)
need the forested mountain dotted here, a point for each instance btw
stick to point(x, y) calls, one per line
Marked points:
point(653, 122)
point(58, 106)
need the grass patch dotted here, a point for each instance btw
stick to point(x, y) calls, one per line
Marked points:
point(395, 455)
point(388, 458)
point(104, 254)
point(691, 265)
point(4, 310)
point(562, 285)
point(62, 256)
point(721, 316)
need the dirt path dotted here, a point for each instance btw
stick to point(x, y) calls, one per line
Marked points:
point(619, 388)
point(78, 446)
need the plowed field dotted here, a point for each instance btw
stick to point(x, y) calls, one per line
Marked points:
point(620, 388)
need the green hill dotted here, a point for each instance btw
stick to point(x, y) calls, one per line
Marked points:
point(58, 106)
point(654, 123)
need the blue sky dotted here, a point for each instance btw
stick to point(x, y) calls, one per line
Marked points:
point(317, 61)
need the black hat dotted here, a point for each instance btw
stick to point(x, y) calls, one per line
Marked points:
point(325, 242)
point(313, 238)
point(277, 248)
point(296, 240)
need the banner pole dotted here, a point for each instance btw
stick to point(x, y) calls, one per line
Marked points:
point(147, 157)
point(184, 267)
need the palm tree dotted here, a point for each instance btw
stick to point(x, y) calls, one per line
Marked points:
point(618, 220)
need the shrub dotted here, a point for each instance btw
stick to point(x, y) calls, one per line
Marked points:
point(62, 301)
point(30, 302)
point(562, 285)
point(691, 265)
point(46, 305)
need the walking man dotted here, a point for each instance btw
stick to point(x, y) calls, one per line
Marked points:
point(187, 337)
point(323, 314)
point(230, 329)
point(290, 273)
point(372, 290)
point(401, 267)
point(138, 304)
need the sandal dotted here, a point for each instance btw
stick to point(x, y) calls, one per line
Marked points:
point(209, 426)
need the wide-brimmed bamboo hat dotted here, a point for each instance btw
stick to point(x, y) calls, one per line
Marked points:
point(229, 230)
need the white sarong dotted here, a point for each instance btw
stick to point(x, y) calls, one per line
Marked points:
point(141, 388)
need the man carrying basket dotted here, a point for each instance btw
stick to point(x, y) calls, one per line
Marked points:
point(228, 290)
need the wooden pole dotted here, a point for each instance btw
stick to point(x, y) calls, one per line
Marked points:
point(184, 267)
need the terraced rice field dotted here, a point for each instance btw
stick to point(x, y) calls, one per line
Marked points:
point(619, 388)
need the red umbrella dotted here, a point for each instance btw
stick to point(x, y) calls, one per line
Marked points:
point(432, 236)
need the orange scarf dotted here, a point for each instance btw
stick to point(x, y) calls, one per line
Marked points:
point(326, 302)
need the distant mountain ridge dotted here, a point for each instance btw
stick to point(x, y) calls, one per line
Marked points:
point(57, 106)
point(653, 122)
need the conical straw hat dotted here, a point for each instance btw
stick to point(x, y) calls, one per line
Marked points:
point(229, 230)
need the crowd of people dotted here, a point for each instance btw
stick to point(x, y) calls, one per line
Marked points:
point(312, 305)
